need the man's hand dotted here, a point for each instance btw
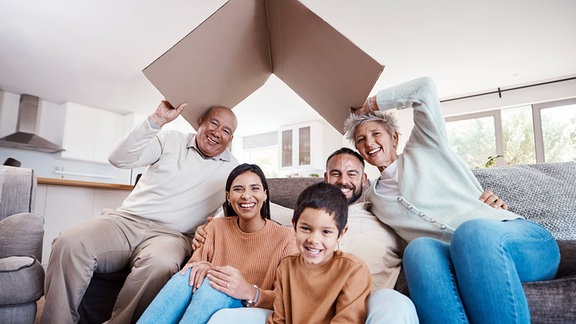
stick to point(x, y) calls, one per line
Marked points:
point(165, 113)
point(200, 235)
point(490, 199)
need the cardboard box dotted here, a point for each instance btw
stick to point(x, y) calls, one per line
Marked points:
point(233, 52)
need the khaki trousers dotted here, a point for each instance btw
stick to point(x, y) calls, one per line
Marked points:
point(107, 244)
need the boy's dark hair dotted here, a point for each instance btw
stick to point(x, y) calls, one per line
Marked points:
point(324, 196)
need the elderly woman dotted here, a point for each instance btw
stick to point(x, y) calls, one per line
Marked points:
point(465, 261)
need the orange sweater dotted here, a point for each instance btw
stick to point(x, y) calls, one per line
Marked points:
point(256, 255)
point(334, 292)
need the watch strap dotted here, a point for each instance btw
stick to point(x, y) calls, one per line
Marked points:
point(252, 302)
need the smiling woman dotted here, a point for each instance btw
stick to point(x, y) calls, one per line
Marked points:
point(236, 265)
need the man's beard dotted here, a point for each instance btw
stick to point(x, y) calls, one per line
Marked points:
point(356, 194)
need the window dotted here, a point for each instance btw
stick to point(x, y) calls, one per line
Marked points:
point(473, 139)
point(520, 135)
point(261, 149)
point(558, 124)
point(265, 157)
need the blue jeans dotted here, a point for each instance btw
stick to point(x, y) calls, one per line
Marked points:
point(478, 276)
point(176, 303)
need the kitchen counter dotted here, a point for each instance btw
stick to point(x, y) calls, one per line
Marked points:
point(65, 203)
point(85, 184)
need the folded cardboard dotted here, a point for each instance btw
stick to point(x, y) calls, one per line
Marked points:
point(235, 50)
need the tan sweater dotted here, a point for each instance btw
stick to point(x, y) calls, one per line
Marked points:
point(334, 292)
point(256, 255)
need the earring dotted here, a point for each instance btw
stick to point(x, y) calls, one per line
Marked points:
point(229, 203)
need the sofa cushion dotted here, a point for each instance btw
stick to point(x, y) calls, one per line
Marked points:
point(22, 234)
point(18, 192)
point(16, 273)
point(2, 180)
point(543, 193)
point(285, 191)
point(15, 263)
point(281, 214)
point(548, 300)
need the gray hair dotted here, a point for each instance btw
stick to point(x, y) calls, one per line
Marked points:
point(387, 120)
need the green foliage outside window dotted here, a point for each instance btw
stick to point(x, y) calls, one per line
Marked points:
point(475, 140)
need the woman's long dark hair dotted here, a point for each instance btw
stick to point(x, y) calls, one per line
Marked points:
point(242, 168)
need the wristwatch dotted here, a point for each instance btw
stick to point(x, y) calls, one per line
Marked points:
point(252, 302)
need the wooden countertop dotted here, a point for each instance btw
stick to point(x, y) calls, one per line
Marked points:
point(86, 184)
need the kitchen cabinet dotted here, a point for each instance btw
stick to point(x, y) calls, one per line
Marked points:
point(90, 134)
point(64, 206)
point(296, 154)
point(304, 147)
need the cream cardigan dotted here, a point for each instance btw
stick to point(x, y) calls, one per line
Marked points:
point(438, 192)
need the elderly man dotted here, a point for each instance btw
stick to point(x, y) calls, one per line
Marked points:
point(182, 184)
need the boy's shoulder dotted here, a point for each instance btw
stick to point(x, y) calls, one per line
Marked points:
point(349, 258)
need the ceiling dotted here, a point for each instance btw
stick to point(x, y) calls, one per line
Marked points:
point(92, 52)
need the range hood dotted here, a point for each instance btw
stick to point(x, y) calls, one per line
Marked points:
point(25, 137)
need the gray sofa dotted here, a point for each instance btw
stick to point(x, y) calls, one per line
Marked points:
point(545, 193)
point(21, 236)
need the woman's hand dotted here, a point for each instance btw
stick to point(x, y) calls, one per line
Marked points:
point(230, 281)
point(490, 199)
point(369, 106)
point(198, 271)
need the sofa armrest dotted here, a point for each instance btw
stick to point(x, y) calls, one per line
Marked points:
point(567, 258)
point(22, 235)
point(543, 193)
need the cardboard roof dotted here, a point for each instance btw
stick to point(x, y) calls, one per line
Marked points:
point(235, 50)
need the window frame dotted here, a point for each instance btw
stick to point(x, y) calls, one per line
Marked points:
point(537, 119)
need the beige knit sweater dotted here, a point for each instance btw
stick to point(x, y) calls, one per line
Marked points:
point(256, 255)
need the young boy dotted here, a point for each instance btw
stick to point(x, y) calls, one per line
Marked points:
point(320, 284)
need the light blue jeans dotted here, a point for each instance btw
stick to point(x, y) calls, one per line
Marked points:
point(176, 302)
point(384, 306)
point(478, 276)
